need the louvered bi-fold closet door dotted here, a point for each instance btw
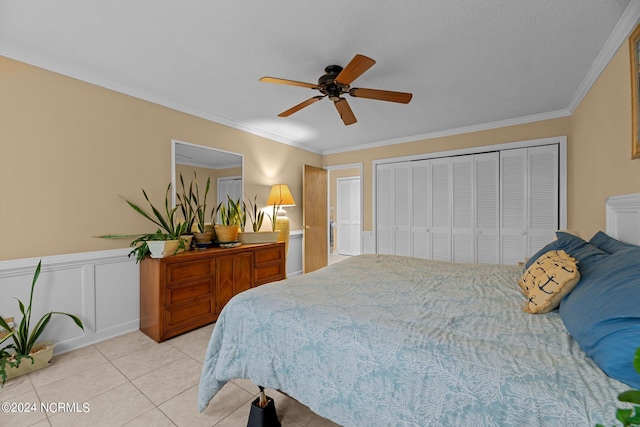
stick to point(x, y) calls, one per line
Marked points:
point(402, 208)
point(440, 209)
point(384, 209)
point(529, 200)
point(420, 218)
point(487, 207)
point(462, 220)
point(513, 205)
point(543, 196)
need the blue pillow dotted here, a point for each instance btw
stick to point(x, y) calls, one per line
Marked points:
point(587, 254)
point(584, 252)
point(602, 313)
point(609, 244)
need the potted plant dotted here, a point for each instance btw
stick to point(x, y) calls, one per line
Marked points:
point(170, 230)
point(205, 234)
point(25, 345)
point(186, 207)
point(231, 218)
point(256, 217)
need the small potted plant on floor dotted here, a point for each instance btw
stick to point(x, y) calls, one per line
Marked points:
point(256, 217)
point(25, 354)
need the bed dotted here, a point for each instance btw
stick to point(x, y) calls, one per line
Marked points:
point(388, 340)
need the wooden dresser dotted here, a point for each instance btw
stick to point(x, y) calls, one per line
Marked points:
point(182, 292)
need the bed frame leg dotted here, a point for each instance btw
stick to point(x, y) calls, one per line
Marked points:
point(263, 412)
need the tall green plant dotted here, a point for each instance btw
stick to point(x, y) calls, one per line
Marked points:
point(186, 207)
point(169, 227)
point(24, 337)
point(255, 215)
point(165, 220)
point(201, 205)
point(630, 417)
point(231, 214)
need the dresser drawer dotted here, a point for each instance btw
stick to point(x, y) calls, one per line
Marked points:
point(189, 313)
point(269, 255)
point(269, 273)
point(188, 291)
point(189, 270)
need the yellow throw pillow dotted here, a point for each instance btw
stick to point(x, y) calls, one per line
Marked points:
point(552, 276)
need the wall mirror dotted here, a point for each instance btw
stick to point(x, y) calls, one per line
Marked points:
point(224, 168)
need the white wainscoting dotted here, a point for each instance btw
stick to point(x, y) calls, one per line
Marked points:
point(294, 255)
point(102, 288)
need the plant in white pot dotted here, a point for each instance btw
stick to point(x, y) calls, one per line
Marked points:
point(170, 230)
point(256, 217)
point(25, 354)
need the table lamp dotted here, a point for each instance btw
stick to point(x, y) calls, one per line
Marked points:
point(280, 195)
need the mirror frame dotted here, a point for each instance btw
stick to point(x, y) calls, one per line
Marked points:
point(174, 181)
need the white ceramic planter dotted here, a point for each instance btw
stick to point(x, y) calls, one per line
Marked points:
point(259, 237)
point(162, 248)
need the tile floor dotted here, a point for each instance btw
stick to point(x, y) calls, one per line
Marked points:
point(131, 380)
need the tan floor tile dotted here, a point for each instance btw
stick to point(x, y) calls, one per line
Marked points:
point(183, 409)
point(26, 414)
point(150, 359)
point(169, 381)
point(122, 345)
point(67, 364)
point(83, 386)
point(154, 418)
point(113, 408)
point(247, 385)
point(194, 341)
point(15, 387)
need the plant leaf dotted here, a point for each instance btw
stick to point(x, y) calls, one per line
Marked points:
point(631, 396)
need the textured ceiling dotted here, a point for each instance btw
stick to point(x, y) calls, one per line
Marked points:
point(469, 64)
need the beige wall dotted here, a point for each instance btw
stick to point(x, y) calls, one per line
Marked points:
point(69, 149)
point(600, 157)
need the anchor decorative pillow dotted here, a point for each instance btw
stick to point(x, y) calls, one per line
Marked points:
point(547, 280)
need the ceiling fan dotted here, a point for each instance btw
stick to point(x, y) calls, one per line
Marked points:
point(335, 83)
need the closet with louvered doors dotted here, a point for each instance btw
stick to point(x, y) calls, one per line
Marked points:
point(494, 207)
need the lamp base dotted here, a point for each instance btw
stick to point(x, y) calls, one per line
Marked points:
point(282, 224)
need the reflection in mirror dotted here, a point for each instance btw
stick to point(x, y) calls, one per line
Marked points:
point(224, 168)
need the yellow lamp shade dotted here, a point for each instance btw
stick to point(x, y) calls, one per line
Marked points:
point(280, 195)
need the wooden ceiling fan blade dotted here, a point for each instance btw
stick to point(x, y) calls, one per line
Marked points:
point(345, 112)
point(276, 80)
point(354, 69)
point(381, 95)
point(300, 106)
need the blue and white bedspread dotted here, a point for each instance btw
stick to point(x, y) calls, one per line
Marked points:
point(379, 340)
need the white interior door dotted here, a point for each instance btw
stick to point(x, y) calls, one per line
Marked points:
point(348, 216)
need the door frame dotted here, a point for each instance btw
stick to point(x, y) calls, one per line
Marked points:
point(360, 167)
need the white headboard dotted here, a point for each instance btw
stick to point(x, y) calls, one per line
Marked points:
point(623, 218)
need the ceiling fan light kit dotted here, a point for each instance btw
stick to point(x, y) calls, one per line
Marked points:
point(336, 82)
